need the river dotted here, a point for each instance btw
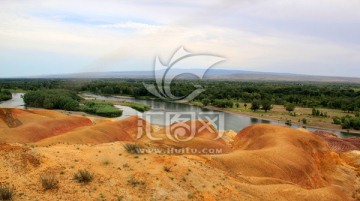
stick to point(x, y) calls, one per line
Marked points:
point(159, 110)
point(231, 121)
point(16, 101)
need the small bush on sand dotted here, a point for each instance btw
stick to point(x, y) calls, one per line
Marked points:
point(6, 192)
point(83, 176)
point(106, 162)
point(132, 148)
point(135, 182)
point(49, 181)
point(167, 169)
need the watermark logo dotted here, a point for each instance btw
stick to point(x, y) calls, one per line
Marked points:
point(182, 62)
point(183, 126)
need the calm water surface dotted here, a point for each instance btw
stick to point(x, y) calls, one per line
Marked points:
point(234, 122)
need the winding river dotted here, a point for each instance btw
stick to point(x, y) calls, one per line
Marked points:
point(232, 121)
point(159, 108)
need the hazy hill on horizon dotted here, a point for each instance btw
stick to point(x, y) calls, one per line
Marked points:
point(211, 74)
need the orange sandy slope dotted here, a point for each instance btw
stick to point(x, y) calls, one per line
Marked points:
point(262, 162)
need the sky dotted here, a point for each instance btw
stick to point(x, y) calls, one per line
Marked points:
point(317, 37)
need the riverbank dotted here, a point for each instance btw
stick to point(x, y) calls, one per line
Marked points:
point(279, 114)
point(140, 107)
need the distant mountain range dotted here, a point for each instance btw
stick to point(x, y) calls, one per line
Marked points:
point(211, 74)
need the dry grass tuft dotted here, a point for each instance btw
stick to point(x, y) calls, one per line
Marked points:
point(6, 192)
point(133, 148)
point(83, 176)
point(49, 181)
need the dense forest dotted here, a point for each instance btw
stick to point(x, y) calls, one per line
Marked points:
point(218, 93)
point(221, 93)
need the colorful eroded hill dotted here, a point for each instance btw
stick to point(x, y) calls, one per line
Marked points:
point(261, 162)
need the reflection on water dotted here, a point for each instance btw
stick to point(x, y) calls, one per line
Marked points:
point(234, 122)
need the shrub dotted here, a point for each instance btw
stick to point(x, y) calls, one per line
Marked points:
point(49, 181)
point(205, 101)
point(355, 123)
point(135, 182)
point(167, 169)
point(106, 162)
point(289, 107)
point(288, 122)
point(255, 106)
point(6, 192)
point(346, 123)
point(266, 105)
point(101, 108)
point(304, 121)
point(223, 103)
point(133, 148)
point(318, 113)
point(336, 120)
point(83, 176)
point(137, 106)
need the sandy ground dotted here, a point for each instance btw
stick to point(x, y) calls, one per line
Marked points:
point(262, 162)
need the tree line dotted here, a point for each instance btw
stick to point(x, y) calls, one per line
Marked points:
point(217, 93)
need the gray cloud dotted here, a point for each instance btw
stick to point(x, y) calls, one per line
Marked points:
point(319, 37)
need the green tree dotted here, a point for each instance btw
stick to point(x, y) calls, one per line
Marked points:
point(108, 90)
point(266, 105)
point(346, 123)
point(255, 105)
point(71, 105)
point(313, 112)
point(356, 123)
point(336, 120)
point(290, 107)
point(205, 101)
point(357, 112)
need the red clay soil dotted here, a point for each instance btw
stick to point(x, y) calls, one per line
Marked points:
point(106, 131)
point(37, 127)
point(338, 144)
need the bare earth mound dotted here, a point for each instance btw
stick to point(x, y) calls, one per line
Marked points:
point(262, 162)
point(340, 144)
point(35, 125)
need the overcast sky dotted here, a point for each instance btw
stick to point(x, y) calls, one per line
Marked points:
point(320, 37)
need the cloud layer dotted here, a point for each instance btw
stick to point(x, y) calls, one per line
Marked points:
point(51, 37)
